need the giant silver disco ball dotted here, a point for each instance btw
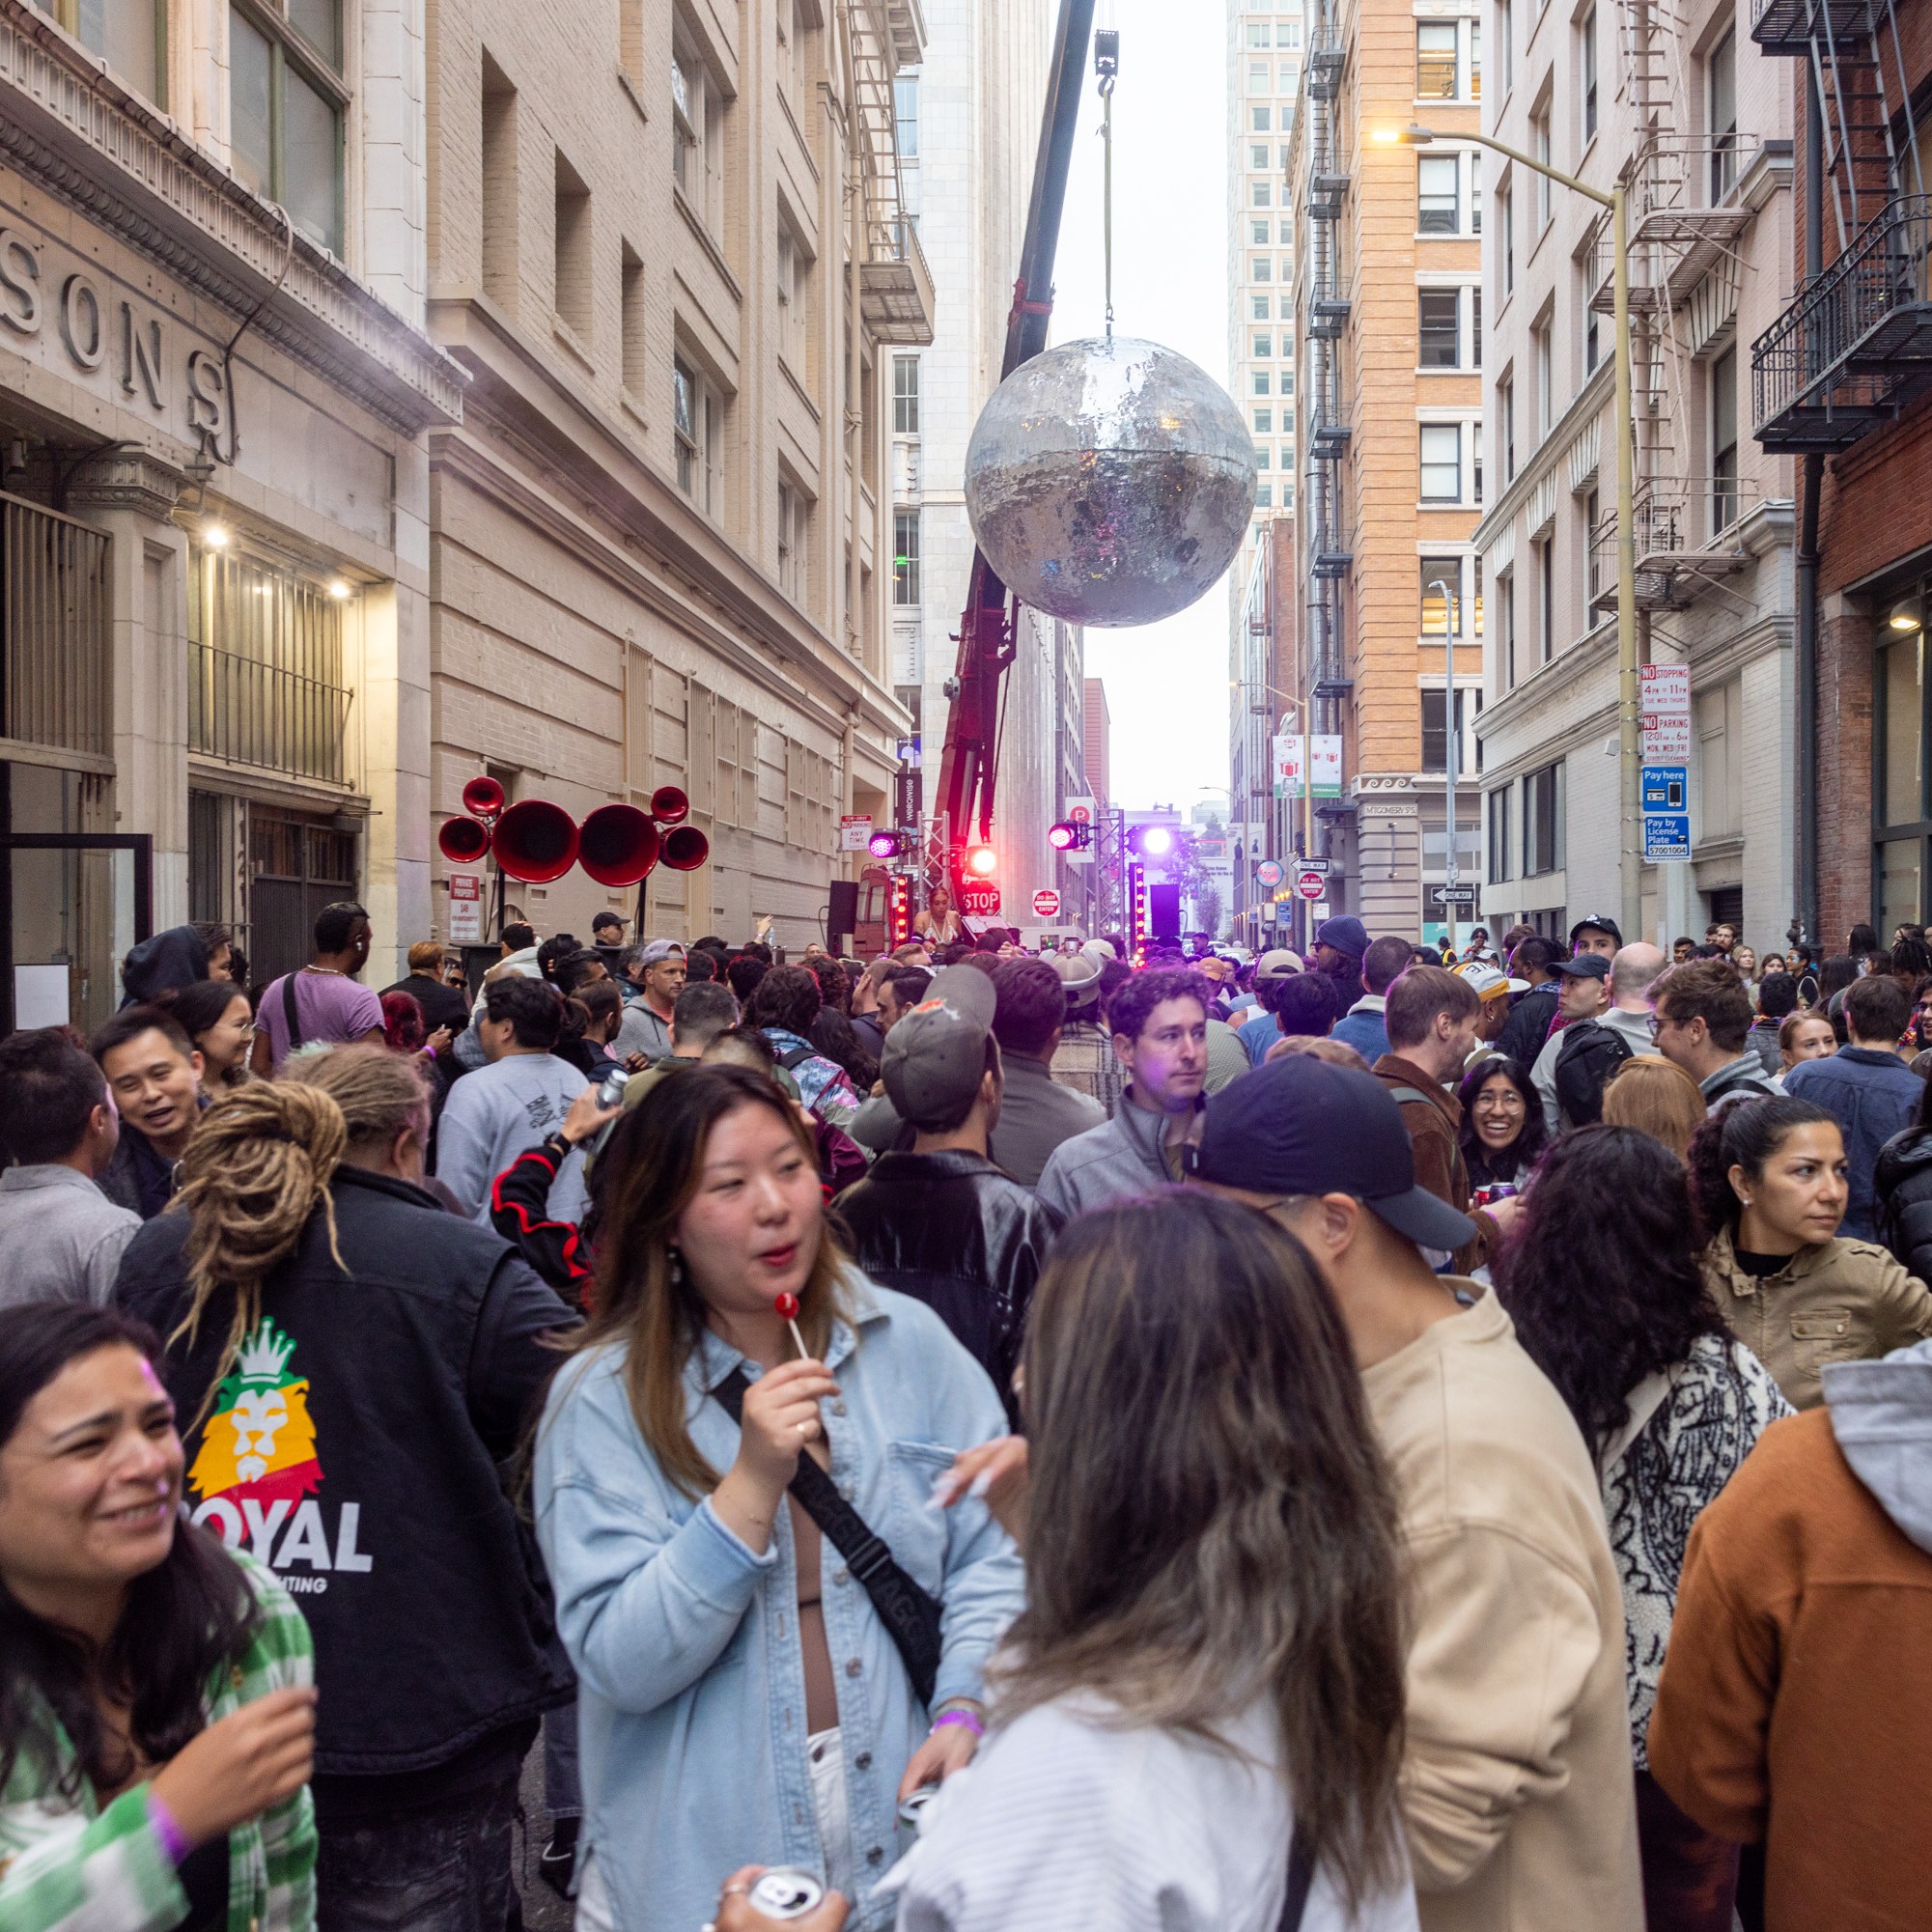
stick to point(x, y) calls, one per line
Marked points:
point(1109, 482)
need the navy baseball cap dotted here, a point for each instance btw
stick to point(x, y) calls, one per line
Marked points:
point(1302, 1126)
point(1596, 922)
point(1345, 933)
point(1585, 966)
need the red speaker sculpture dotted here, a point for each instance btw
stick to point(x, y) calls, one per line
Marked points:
point(483, 799)
point(463, 841)
point(669, 807)
point(686, 848)
point(534, 841)
point(618, 845)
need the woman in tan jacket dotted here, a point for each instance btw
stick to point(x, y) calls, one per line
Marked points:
point(1769, 1176)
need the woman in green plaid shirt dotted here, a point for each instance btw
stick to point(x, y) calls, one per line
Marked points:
point(157, 1710)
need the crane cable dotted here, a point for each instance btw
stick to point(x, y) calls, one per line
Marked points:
point(1108, 65)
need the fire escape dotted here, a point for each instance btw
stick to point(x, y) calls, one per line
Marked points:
point(895, 285)
point(1687, 213)
point(1325, 524)
point(1854, 347)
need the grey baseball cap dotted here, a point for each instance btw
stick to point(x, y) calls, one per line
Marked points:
point(936, 1055)
point(659, 949)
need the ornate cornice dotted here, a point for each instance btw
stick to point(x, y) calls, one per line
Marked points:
point(129, 480)
point(71, 129)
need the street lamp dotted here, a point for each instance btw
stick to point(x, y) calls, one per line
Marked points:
point(1298, 707)
point(1451, 878)
point(1616, 201)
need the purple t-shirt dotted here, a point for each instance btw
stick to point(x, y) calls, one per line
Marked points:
point(329, 1009)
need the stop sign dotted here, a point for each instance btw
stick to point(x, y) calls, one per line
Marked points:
point(1311, 884)
point(979, 898)
point(1046, 904)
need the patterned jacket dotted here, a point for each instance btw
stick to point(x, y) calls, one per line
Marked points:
point(65, 1865)
point(1716, 1404)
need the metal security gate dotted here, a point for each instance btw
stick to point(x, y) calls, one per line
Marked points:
point(55, 675)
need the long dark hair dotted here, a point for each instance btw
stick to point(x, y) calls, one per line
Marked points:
point(645, 1301)
point(1210, 1520)
point(185, 1619)
point(1602, 1275)
point(834, 1036)
point(1508, 1163)
point(1746, 1134)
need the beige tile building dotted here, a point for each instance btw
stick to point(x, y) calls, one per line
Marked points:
point(1688, 111)
point(214, 492)
point(1387, 345)
point(667, 245)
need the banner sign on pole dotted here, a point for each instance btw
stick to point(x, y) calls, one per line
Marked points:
point(853, 833)
point(1324, 765)
point(1664, 711)
point(466, 908)
point(1288, 754)
point(1666, 835)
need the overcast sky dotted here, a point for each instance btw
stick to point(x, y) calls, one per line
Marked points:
point(1166, 685)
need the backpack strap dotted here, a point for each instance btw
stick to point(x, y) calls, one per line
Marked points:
point(294, 1026)
point(1403, 1096)
point(797, 1058)
point(1300, 1876)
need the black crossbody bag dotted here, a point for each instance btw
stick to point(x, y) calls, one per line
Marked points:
point(1300, 1876)
point(908, 1612)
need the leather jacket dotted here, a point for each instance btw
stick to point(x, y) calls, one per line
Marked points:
point(1903, 1184)
point(953, 1231)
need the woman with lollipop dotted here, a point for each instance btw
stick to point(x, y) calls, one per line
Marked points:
point(754, 1683)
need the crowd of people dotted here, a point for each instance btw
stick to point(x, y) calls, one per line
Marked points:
point(1380, 1439)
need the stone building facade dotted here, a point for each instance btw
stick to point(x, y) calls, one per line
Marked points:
point(215, 393)
point(668, 245)
point(1699, 124)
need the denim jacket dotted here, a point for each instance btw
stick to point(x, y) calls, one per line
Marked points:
point(692, 1688)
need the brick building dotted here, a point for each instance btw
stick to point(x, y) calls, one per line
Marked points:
point(1388, 332)
point(1841, 379)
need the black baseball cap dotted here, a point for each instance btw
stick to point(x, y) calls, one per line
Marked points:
point(1302, 1126)
point(1585, 966)
point(1596, 922)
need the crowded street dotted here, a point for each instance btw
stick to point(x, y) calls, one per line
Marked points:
point(910, 1023)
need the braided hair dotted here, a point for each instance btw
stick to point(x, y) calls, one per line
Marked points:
point(258, 1167)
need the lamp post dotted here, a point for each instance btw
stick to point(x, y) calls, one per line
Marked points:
point(1615, 199)
point(1300, 708)
point(1451, 877)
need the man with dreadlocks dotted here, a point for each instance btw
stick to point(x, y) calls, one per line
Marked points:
point(352, 1364)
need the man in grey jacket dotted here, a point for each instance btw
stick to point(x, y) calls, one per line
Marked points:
point(1159, 1022)
point(1703, 1022)
point(1036, 1115)
point(62, 1236)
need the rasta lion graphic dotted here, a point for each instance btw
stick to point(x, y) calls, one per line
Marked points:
point(259, 1443)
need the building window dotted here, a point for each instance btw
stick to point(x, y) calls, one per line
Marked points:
point(1539, 146)
point(1259, 34)
point(1441, 462)
point(1260, 381)
point(1505, 49)
point(1264, 496)
point(1259, 74)
point(1259, 232)
point(1506, 219)
point(1500, 849)
point(1261, 455)
point(1592, 572)
point(794, 539)
point(1475, 192)
point(1586, 31)
point(499, 191)
point(1435, 195)
point(1436, 60)
point(694, 426)
point(131, 36)
point(1474, 29)
point(1546, 599)
point(1263, 346)
point(570, 266)
point(906, 114)
point(1258, 308)
point(1476, 328)
point(1442, 590)
point(906, 558)
point(1505, 401)
point(1259, 120)
point(1543, 822)
point(1261, 268)
point(1435, 740)
point(1439, 327)
point(905, 395)
point(1264, 422)
point(287, 105)
point(1505, 598)
point(794, 302)
point(1546, 379)
point(1723, 70)
point(697, 133)
point(633, 317)
point(1723, 440)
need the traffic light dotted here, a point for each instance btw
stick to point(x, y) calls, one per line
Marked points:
point(1069, 836)
point(885, 844)
point(981, 862)
point(1151, 841)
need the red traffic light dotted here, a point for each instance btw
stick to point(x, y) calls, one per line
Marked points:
point(981, 862)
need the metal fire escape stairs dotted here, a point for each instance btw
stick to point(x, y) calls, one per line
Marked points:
point(1685, 215)
point(1324, 522)
point(1854, 347)
point(894, 283)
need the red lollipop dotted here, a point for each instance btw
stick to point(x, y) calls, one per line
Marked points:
point(787, 1306)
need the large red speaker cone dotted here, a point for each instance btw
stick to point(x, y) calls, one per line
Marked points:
point(536, 841)
point(617, 845)
point(686, 848)
point(463, 841)
point(483, 798)
point(669, 807)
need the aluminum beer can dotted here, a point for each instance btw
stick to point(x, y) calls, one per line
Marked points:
point(787, 1892)
point(1499, 1190)
point(912, 1807)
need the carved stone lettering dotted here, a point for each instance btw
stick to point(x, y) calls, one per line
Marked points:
point(82, 328)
